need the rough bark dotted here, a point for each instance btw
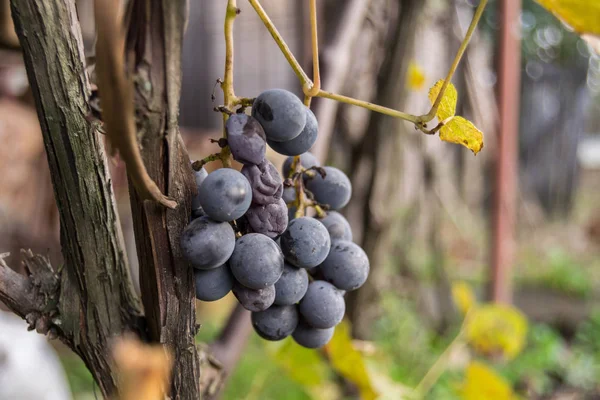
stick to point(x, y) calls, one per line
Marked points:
point(166, 279)
point(96, 301)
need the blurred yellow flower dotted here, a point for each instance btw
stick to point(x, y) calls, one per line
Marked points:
point(463, 296)
point(496, 330)
point(483, 383)
point(415, 77)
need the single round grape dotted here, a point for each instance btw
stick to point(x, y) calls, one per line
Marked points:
point(206, 243)
point(346, 266)
point(292, 285)
point(307, 160)
point(301, 143)
point(281, 114)
point(337, 226)
point(289, 194)
point(335, 189)
point(225, 194)
point(270, 220)
point(311, 338)
point(254, 300)
point(213, 284)
point(199, 176)
point(246, 139)
point(256, 261)
point(276, 322)
point(323, 305)
point(305, 243)
point(266, 183)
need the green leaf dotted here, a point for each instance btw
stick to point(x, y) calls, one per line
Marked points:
point(582, 15)
point(349, 362)
point(462, 131)
point(447, 107)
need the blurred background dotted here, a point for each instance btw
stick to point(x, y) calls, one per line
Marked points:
point(422, 209)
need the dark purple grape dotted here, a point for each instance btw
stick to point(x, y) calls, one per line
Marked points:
point(206, 243)
point(256, 261)
point(281, 114)
point(199, 176)
point(225, 194)
point(266, 183)
point(346, 265)
point(292, 285)
point(213, 284)
point(311, 338)
point(270, 220)
point(335, 189)
point(323, 305)
point(337, 226)
point(276, 322)
point(252, 299)
point(289, 194)
point(301, 143)
point(246, 139)
point(305, 243)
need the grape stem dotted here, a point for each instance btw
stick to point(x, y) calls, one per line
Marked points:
point(311, 89)
point(303, 201)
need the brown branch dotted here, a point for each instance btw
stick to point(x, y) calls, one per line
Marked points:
point(16, 291)
point(116, 96)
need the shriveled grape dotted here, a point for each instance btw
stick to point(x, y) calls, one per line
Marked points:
point(270, 220)
point(266, 183)
point(246, 139)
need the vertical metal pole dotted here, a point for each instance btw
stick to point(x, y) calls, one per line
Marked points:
point(509, 74)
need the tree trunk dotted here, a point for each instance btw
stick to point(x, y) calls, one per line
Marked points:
point(166, 279)
point(94, 301)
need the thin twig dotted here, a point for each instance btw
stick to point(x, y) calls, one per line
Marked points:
point(304, 79)
point(440, 365)
point(461, 50)
point(310, 92)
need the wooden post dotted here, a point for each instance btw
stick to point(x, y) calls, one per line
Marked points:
point(509, 73)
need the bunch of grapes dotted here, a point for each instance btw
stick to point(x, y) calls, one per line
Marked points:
point(249, 232)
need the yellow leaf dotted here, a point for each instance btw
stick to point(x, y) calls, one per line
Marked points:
point(462, 131)
point(463, 296)
point(447, 107)
point(496, 330)
point(348, 361)
point(483, 383)
point(415, 77)
point(582, 15)
point(302, 365)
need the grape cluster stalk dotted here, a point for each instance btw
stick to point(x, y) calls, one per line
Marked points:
point(249, 233)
